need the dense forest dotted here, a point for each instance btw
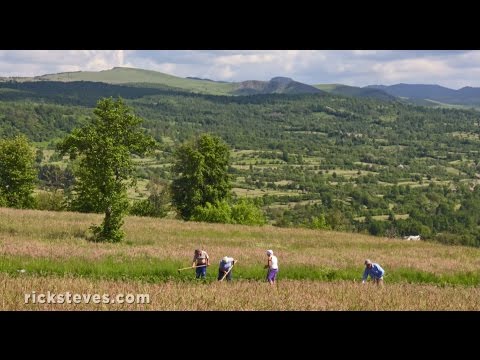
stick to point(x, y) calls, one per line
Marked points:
point(314, 160)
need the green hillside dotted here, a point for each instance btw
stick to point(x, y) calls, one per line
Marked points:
point(153, 79)
point(123, 75)
point(149, 78)
point(312, 160)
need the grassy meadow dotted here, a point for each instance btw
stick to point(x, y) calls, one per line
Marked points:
point(319, 270)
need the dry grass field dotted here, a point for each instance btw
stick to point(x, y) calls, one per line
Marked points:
point(241, 295)
point(319, 270)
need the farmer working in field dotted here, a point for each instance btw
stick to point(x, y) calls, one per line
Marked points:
point(225, 268)
point(200, 263)
point(272, 267)
point(375, 271)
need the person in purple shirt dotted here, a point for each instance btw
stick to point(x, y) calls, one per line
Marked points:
point(375, 271)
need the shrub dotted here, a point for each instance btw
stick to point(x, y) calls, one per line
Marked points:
point(247, 213)
point(319, 222)
point(50, 200)
point(220, 212)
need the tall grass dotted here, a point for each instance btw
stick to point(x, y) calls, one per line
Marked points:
point(241, 295)
point(153, 270)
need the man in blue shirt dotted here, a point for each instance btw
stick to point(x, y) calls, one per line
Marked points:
point(375, 271)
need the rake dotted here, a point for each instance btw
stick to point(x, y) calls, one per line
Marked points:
point(190, 267)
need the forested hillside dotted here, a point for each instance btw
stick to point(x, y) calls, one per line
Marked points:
point(314, 160)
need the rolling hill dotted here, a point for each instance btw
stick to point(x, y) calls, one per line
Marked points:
point(131, 76)
point(418, 94)
point(345, 90)
point(277, 85)
point(154, 79)
point(433, 93)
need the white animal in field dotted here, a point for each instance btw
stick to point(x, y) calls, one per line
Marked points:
point(412, 237)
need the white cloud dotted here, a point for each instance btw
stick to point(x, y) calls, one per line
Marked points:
point(352, 67)
point(413, 69)
point(241, 59)
point(364, 52)
point(226, 73)
point(39, 62)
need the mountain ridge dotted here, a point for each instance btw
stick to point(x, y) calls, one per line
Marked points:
point(467, 95)
point(419, 94)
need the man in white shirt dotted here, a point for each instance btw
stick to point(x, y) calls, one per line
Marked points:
point(225, 268)
point(272, 267)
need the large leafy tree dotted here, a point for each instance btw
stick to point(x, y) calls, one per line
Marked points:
point(105, 171)
point(17, 172)
point(201, 174)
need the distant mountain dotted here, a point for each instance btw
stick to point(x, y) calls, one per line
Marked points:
point(420, 94)
point(277, 85)
point(149, 78)
point(432, 93)
point(346, 90)
point(470, 95)
point(131, 76)
point(415, 91)
point(197, 78)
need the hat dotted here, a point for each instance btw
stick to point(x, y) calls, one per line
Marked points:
point(269, 252)
point(368, 262)
point(225, 259)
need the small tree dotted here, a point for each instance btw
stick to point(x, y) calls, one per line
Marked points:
point(17, 172)
point(319, 222)
point(106, 168)
point(201, 169)
point(53, 177)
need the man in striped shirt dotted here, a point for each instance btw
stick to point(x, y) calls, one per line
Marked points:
point(200, 262)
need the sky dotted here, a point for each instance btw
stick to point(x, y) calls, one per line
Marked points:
point(449, 68)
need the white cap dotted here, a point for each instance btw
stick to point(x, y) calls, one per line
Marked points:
point(269, 252)
point(225, 259)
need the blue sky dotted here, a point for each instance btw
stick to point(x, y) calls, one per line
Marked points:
point(450, 68)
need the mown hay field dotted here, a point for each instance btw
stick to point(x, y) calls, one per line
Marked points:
point(319, 270)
